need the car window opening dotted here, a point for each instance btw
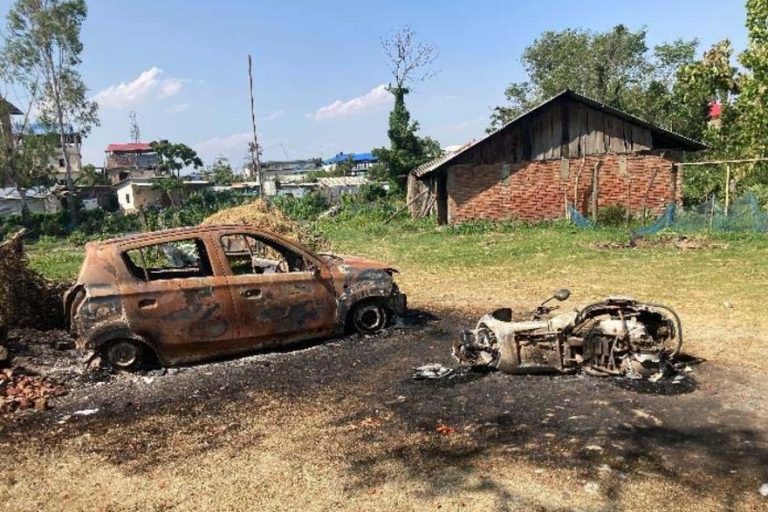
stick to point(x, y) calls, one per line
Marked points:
point(179, 259)
point(247, 254)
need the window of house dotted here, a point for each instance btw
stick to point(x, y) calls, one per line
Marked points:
point(248, 254)
point(128, 198)
point(61, 162)
point(169, 260)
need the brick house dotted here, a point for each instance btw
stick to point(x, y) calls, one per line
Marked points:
point(569, 151)
point(130, 160)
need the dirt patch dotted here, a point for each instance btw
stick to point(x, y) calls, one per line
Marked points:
point(27, 299)
point(681, 242)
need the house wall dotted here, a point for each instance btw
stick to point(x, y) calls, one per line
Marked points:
point(538, 190)
point(131, 198)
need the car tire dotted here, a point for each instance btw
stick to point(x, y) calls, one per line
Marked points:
point(125, 354)
point(369, 317)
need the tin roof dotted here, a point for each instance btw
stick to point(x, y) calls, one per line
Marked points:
point(130, 147)
point(356, 157)
point(342, 181)
point(681, 141)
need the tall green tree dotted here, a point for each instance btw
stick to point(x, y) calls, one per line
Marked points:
point(173, 157)
point(410, 62)
point(220, 172)
point(43, 42)
point(615, 67)
point(752, 102)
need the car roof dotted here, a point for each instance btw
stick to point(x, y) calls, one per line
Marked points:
point(189, 230)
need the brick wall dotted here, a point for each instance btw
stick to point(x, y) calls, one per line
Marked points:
point(537, 190)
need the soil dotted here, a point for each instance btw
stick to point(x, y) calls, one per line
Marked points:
point(708, 434)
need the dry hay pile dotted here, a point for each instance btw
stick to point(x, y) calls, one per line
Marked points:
point(27, 299)
point(263, 216)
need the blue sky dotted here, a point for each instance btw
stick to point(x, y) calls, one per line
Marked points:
point(181, 65)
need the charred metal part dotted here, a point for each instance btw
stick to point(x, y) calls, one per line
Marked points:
point(617, 336)
point(190, 294)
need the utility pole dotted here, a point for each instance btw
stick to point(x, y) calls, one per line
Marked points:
point(255, 163)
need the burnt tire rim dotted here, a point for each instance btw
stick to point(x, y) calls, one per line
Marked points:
point(370, 318)
point(124, 354)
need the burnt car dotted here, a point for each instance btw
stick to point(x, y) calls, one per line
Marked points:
point(190, 294)
point(619, 336)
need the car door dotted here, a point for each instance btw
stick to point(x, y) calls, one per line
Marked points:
point(280, 293)
point(176, 300)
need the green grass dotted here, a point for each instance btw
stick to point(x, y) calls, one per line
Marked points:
point(718, 287)
point(58, 260)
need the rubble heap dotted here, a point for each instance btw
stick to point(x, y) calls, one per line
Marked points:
point(20, 391)
point(27, 299)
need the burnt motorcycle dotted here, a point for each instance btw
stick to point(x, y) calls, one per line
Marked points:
point(619, 336)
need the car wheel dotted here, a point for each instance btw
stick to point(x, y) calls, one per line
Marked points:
point(125, 354)
point(369, 317)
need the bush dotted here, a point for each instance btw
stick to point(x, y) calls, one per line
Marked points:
point(301, 208)
point(613, 216)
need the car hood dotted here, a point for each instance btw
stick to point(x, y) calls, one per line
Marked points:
point(346, 263)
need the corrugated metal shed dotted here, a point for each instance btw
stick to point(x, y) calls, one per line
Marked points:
point(342, 181)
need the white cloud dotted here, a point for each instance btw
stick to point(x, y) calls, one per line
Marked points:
point(274, 115)
point(234, 147)
point(148, 85)
point(372, 100)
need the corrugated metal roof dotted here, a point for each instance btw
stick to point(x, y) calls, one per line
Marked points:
point(130, 147)
point(683, 141)
point(356, 157)
point(342, 181)
point(10, 193)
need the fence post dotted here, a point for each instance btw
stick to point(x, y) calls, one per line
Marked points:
point(727, 187)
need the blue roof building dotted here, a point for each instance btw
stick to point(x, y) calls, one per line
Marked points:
point(356, 158)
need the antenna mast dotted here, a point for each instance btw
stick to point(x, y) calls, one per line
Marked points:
point(254, 146)
point(135, 133)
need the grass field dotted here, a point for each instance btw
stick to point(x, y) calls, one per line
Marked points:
point(350, 439)
point(717, 286)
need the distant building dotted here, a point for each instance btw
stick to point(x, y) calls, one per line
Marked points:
point(71, 150)
point(361, 162)
point(6, 111)
point(97, 196)
point(134, 194)
point(288, 170)
point(332, 188)
point(39, 200)
point(131, 160)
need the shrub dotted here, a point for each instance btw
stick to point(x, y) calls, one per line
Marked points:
point(613, 216)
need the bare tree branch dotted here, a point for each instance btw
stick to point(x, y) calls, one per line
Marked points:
point(410, 61)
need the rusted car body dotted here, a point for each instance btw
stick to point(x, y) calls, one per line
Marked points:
point(191, 294)
point(619, 336)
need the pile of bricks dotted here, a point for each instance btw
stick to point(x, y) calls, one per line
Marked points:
point(19, 391)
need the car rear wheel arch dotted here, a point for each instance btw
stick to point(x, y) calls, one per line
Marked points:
point(103, 342)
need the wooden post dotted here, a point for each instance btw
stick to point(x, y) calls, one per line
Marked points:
point(595, 190)
point(727, 187)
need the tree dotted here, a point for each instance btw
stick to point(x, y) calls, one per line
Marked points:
point(752, 102)
point(410, 62)
point(90, 176)
point(43, 43)
point(173, 157)
point(614, 67)
point(220, 172)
